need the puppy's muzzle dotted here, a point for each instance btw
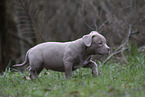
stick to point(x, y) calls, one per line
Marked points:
point(108, 49)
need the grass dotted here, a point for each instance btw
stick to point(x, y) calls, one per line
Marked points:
point(115, 79)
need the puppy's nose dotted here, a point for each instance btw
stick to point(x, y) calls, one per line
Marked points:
point(108, 50)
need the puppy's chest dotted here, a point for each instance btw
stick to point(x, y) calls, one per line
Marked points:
point(82, 61)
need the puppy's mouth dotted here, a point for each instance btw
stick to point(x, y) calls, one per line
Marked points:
point(103, 52)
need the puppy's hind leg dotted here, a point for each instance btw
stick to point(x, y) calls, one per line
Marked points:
point(35, 68)
point(34, 73)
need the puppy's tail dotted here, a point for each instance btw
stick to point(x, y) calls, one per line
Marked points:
point(25, 62)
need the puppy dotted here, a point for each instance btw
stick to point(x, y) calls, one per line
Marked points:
point(66, 56)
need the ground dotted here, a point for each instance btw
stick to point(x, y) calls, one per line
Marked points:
point(116, 79)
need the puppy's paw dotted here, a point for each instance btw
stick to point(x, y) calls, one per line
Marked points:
point(95, 74)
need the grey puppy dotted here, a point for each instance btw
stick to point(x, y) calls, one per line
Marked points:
point(67, 56)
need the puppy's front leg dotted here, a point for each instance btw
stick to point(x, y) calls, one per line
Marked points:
point(94, 68)
point(68, 69)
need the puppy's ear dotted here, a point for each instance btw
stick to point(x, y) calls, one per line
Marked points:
point(87, 39)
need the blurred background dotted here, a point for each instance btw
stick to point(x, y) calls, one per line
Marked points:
point(25, 23)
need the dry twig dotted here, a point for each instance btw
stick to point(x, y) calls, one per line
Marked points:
point(124, 46)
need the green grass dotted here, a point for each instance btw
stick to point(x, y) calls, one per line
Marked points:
point(114, 80)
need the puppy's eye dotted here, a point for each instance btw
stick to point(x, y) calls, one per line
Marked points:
point(100, 43)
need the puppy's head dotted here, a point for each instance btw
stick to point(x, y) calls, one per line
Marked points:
point(96, 43)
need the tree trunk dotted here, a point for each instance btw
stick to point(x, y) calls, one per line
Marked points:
point(3, 35)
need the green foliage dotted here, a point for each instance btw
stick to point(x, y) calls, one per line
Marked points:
point(115, 79)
